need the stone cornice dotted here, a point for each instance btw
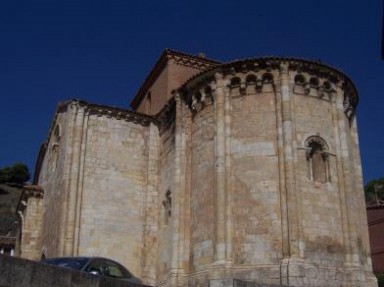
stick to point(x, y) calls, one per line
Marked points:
point(117, 113)
point(102, 110)
point(33, 191)
point(29, 191)
point(179, 58)
point(273, 64)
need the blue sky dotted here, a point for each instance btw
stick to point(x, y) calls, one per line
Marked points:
point(101, 51)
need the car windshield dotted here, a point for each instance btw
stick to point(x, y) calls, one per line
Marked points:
point(73, 263)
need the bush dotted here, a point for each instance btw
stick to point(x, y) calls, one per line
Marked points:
point(17, 173)
point(380, 280)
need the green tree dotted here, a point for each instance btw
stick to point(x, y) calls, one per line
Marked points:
point(17, 173)
point(374, 192)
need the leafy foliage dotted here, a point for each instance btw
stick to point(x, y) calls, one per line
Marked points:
point(9, 198)
point(374, 192)
point(380, 279)
point(17, 173)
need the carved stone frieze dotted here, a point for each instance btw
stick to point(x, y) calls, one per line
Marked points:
point(260, 75)
point(191, 62)
point(119, 114)
point(313, 86)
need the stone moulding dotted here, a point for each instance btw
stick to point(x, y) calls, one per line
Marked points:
point(29, 191)
point(103, 110)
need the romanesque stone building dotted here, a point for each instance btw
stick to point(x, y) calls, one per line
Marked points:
point(248, 170)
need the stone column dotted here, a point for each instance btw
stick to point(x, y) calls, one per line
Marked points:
point(228, 181)
point(73, 181)
point(184, 247)
point(79, 192)
point(347, 163)
point(178, 196)
point(337, 106)
point(150, 232)
point(220, 202)
point(289, 173)
point(70, 128)
point(291, 266)
point(281, 166)
point(365, 250)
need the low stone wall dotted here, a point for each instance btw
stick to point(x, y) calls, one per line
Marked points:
point(17, 272)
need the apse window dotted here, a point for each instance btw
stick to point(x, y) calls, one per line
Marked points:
point(318, 159)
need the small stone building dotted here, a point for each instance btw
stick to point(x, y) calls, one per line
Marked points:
point(247, 170)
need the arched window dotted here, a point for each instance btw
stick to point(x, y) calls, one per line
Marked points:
point(251, 79)
point(318, 159)
point(268, 78)
point(235, 82)
point(314, 82)
point(299, 80)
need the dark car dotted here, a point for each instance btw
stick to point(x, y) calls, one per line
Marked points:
point(95, 265)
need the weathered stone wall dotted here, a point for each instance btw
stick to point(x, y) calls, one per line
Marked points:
point(319, 207)
point(164, 204)
point(31, 212)
point(53, 179)
point(97, 186)
point(254, 168)
point(151, 209)
point(112, 191)
point(202, 222)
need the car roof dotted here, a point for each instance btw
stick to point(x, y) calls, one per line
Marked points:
point(78, 258)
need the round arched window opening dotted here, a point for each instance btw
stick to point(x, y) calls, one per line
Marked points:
point(268, 78)
point(235, 82)
point(251, 79)
point(299, 80)
point(318, 159)
point(314, 82)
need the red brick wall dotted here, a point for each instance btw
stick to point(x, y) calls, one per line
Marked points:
point(376, 237)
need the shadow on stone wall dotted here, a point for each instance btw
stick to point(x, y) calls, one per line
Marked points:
point(17, 272)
